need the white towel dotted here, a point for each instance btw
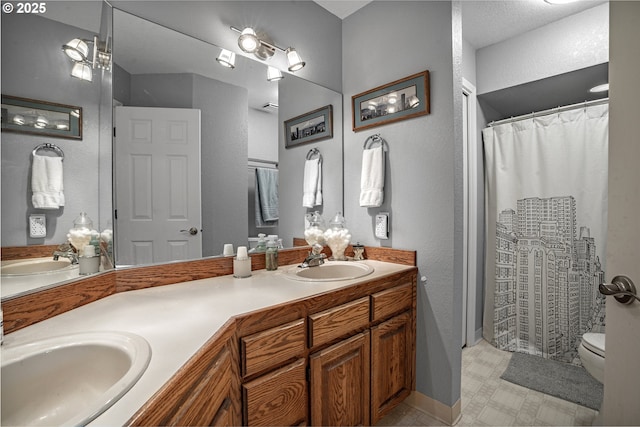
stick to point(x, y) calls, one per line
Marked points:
point(372, 178)
point(47, 182)
point(312, 183)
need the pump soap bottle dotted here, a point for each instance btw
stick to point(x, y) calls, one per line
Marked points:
point(271, 256)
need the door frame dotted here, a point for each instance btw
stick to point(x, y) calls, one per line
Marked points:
point(470, 213)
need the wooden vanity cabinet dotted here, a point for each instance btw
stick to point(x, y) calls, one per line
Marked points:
point(345, 357)
point(202, 392)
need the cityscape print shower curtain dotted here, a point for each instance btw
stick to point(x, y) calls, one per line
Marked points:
point(546, 213)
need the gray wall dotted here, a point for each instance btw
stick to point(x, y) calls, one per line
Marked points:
point(224, 139)
point(43, 73)
point(423, 180)
point(572, 43)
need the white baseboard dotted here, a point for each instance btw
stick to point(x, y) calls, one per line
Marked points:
point(438, 410)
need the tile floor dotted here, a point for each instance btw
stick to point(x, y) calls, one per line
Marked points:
point(489, 401)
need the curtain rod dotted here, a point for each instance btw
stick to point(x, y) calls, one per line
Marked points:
point(550, 111)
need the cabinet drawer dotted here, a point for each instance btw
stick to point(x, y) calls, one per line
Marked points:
point(271, 347)
point(278, 398)
point(338, 321)
point(391, 301)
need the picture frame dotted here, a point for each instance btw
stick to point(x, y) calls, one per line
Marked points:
point(313, 126)
point(35, 117)
point(399, 100)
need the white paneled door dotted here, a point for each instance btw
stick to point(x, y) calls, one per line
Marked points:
point(157, 179)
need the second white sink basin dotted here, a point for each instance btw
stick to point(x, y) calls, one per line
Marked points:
point(330, 271)
point(36, 266)
point(71, 379)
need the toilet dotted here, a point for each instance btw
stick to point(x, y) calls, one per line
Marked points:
point(591, 351)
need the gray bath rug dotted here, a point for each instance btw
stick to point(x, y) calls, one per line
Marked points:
point(563, 380)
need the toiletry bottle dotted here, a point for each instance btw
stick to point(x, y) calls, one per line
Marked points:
point(271, 256)
point(95, 242)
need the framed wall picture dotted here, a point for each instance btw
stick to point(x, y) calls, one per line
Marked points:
point(44, 118)
point(399, 100)
point(309, 127)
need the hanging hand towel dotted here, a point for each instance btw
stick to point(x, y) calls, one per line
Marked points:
point(47, 182)
point(266, 197)
point(312, 183)
point(372, 178)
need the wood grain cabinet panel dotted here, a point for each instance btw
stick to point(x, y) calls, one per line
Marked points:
point(391, 364)
point(338, 321)
point(278, 398)
point(340, 383)
point(391, 301)
point(271, 347)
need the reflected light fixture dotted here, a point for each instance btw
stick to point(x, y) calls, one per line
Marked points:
point(413, 101)
point(227, 58)
point(273, 74)
point(41, 122)
point(78, 51)
point(18, 119)
point(600, 88)
point(263, 49)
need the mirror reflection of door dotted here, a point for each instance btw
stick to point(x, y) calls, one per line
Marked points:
point(157, 162)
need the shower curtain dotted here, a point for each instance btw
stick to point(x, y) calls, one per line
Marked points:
point(546, 210)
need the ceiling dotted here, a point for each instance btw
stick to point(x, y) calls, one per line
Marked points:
point(487, 22)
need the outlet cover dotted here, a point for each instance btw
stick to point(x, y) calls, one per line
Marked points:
point(37, 226)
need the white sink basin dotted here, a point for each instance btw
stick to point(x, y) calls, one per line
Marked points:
point(71, 379)
point(330, 271)
point(36, 266)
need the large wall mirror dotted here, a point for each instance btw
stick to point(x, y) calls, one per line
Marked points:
point(34, 67)
point(157, 68)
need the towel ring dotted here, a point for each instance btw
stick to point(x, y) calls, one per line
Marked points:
point(368, 143)
point(49, 146)
point(312, 153)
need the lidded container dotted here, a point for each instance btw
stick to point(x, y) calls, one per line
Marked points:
point(314, 233)
point(337, 237)
point(83, 221)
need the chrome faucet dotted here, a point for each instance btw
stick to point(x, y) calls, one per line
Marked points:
point(65, 250)
point(315, 257)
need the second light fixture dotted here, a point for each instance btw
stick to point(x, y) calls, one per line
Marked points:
point(249, 42)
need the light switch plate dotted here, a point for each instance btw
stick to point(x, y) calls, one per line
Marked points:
point(382, 225)
point(37, 226)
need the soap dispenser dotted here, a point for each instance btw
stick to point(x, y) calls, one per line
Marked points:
point(262, 244)
point(271, 255)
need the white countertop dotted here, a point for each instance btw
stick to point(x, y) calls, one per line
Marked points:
point(178, 319)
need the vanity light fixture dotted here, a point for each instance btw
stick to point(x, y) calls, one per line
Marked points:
point(227, 58)
point(273, 74)
point(263, 49)
point(18, 119)
point(78, 51)
point(413, 101)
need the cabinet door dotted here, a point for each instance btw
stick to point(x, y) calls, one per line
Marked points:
point(209, 401)
point(340, 383)
point(391, 364)
point(278, 398)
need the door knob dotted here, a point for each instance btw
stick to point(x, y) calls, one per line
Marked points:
point(193, 231)
point(621, 288)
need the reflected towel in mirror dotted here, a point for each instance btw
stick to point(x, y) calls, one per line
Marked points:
point(266, 197)
point(47, 182)
point(312, 183)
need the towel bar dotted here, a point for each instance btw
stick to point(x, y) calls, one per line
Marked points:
point(49, 146)
point(373, 139)
point(313, 152)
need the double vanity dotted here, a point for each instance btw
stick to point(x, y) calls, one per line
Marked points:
point(277, 348)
